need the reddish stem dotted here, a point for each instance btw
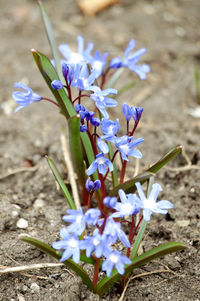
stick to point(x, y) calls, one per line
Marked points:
point(96, 273)
point(123, 172)
point(78, 97)
point(130, 235)
point(50, 100)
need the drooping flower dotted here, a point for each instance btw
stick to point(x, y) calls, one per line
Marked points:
point(81, 56)
point(100, 163)
point(126, 146)
point(149, 203)
point(70, 245)
point(129, 205)
point(110, 202)
point(77, 220)
point(24, 98)
point(115, 259)
point(102, 102)
point(130, 61)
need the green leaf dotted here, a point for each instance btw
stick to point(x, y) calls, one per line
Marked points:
point(138, 240)
point(62, 185)
point(50, 36)
point(129, 186)
point(69, 263)
point(125, 88)
point(173, 152)
point(76, 148)
point(146, 257)
point(49, 74)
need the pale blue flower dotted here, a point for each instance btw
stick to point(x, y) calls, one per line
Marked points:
point(115, 260)
point(70, 245)
point(102, 146)
point(149, 203)
point(109, 128)
point(92, 215)
point(24, 98)
point(81, 56)
point(126, 146)
point(77, 220)
point(101, 100)
point(98, 62)
point(100, 163)
point(130, 61)
point(129, 205)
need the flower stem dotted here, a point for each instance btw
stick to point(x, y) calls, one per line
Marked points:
point(96, 273)
point(50, 100)
point(123, 172)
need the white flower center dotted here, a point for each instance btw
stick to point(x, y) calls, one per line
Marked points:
point(78, 219)
point(97, 65)
point(96, 242)
point(76, 58)
point(126, 208)
point(110, 129)
point(101, 161)
point(149, 204)
point(124, 148)
point(73, 243)
point(114, 258)
point(101, 98)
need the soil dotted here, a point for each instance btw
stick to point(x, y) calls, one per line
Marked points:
point(170, 32)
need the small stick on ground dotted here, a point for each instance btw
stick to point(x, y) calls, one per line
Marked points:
point(17, 170)
point(70, 170)
point(167, 270)
point(188, 166)
point(28, 267)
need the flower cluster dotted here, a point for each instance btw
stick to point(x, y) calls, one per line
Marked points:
point(106, 230)
point(83, 71)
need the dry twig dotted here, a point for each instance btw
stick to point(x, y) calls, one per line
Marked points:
point(4, 270)
point(70, 170)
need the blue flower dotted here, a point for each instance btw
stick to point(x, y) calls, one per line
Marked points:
point(129, 205)
point(149, 204)
point(100, 163)
point(70, 245)
point(130, 61)
point(98, 243)
point(56, 84)
point(115, 260)
point(92, 215)
point(109, 128)
point(77, 218)
point(98, 62)
point(134, 112)
point(82, 79)
point(92, 186)
point(101, 101)
point(82, 56)
point(24, 98)
point(68, 72)
point(126, 146)
point(110, 202)
point(114, 231)
point(102, 146)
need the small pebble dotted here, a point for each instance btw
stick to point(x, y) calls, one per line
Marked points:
point(35, 287)
point(39, 204)
point(183, 223)
point(24, 288)
point(22, 223)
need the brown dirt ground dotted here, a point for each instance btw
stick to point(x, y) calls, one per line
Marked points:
point(170, 32)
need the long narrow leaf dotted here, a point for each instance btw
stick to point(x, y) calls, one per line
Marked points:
point(61, 183)
point(146, 257)
point(76, 148)
point(50, 36)
point(129, 186)
point(69, 263)
point(49, 74)
point(138, 240)
point(114, 172)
